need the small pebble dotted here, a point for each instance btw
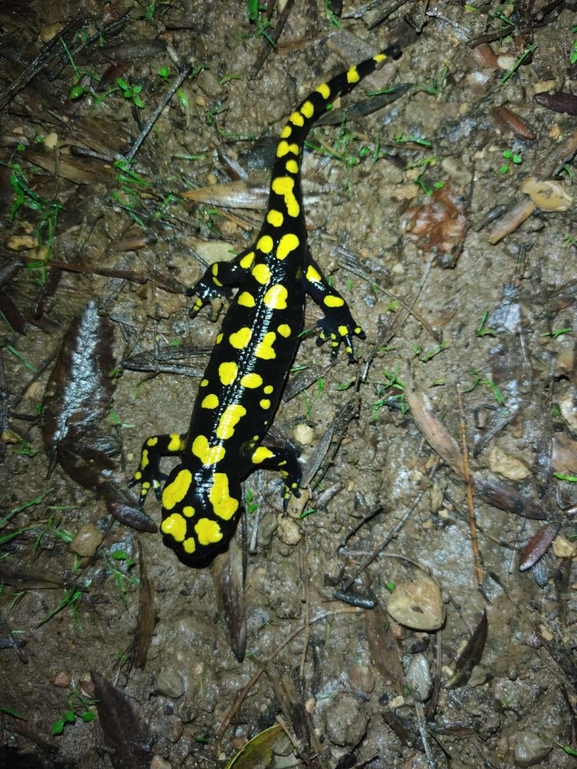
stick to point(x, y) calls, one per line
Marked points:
point(507, 466)
point(346, 719)
point(87, 540)
point(304, 434)
point(530, 748)
point(419, 677)
point(288, 531)
point(418, 604)
point(62, 679)
point(170, 683)
point(160, 763)
point(362, 677)
point(563, 548)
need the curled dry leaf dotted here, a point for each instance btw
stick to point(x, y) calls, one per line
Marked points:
point(558, 102)
point(547, 194)
point(78, 396)
point(439, 225)
point(538, 545)
point(417, 604)
point(126, 736)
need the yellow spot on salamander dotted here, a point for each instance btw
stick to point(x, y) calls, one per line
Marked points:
point(284, 148)
point(137, 475)
point(268, 389)
point(241, 338)
point(231, 416)
point(324, 91)
point(333, 301)
point(265, 244)
point(284, 185)
point(292, 166)
point(353, 76)
point(276, 219)
point(222, 503)
point(204, 383)
point(144, 459)
point(174, 444)
point(174, 526)
point(284, 330)
point(286, 132)
point(264, 349)
point(188, 510)
point(208, 532)
point(189, 545)
point(227, 372)
point(261, 455)
point(152, 441)
point(264, 403)
point(308, 109)
point(261, 273)
point(380, 57)
point(219, 338)
point(176, 491)
point(251, 381)
point(287, 244)
point(343, 330)
point(297, 119)
point(245, 299)
point(313, 275)
point(210, 402)
point(247, 260)
point(275, 298)
point(208, 455)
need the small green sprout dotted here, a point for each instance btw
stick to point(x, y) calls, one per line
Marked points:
point(485, 380)
point(481, 329)
point(412, 139)
point(78, 706)
point(130, 92)
point(573, 58)
point(527, 52)
point(164, 73)
point(514, 158)
point(558, 332)
point(251, 505)
point(565, 477)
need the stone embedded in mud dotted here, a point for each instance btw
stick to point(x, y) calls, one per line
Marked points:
point(346, 719)
point(87, 540)
point(419, 677)
point(170, 683)
point(530, 748)
point(417, 604)
point(362, 677)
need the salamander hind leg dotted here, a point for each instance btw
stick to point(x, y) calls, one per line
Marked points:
point(219, 279)
point(338, 324)
point(148, 474)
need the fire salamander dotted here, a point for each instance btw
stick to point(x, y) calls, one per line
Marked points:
point(246, 373)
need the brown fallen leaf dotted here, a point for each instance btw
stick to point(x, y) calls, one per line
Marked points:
point(127, 738)
point(471, 654)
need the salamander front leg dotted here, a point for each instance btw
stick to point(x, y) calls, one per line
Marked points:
point(338, 325)
point(219, 279)
point(280, 459)
point(148, 474)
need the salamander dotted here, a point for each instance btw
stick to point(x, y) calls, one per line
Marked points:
point(252, 355)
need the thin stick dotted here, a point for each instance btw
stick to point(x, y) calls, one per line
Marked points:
point(469, 488)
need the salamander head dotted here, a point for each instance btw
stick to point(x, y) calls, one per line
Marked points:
point(200, 510)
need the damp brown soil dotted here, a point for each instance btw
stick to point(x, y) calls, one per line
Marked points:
point(482, 333)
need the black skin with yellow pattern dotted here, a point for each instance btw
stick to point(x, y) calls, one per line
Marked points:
point(248, 367)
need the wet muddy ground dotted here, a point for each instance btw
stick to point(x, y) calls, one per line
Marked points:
point(384, 628)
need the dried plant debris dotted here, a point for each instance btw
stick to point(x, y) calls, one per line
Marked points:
point(487, 486)
point(471, 654)
point(78, 396)
point(126, 737)
point(438, 226)
point(538, 545)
